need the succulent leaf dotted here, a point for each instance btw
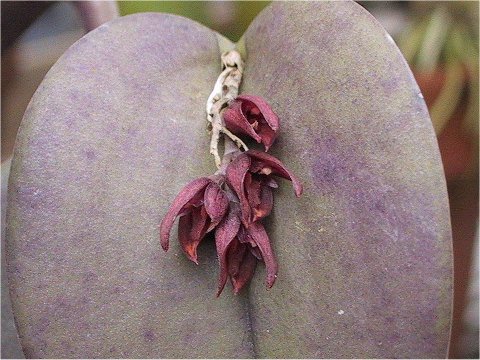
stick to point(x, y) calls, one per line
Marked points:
point(118, 123)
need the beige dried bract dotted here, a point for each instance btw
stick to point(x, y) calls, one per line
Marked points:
point(225, 90)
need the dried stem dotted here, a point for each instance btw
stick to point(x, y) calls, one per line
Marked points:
point(230, 152)
point(224, 91)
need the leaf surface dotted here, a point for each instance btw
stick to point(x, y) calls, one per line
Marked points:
point(114, 132)
point(365, 263)
point(117, 128)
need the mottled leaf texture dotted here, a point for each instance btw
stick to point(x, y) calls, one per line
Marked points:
point(365, 263)
point(117, 128)
point(114, 132)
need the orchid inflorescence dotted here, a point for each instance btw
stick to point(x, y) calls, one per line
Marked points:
point(232, 202)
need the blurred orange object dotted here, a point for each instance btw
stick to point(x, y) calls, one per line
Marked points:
point(456, 144)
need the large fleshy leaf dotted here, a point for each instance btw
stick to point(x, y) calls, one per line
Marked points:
point(117, 129)
point(365, 254)
point(114, 132)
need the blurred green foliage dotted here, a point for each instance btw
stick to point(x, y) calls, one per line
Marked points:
point(444, 36)
point(230, 18)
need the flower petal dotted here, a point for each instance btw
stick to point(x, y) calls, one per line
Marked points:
point(259, 235)
point(244, 237)
point(237, 123)
point(268, 123)
point(253, 188)
point(235, 175)
point(253, 116)
point(191, 230)
point(267, 135)
point(271, 182)
point(266, 111)
point(236, 252)
point(224, 235)
point(184, 228)
point(267, 164)
point(264, 208)
point(245, 272)
point(182, 200)
point(255, 252)
point(216, 204)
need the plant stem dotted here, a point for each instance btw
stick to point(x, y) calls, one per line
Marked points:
point(230, 152)
point(225, 90)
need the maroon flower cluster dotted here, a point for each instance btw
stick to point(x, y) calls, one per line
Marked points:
point(234, 202)
point(252, 116)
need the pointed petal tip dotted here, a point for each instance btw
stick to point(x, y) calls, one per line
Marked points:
point(221, 283)
point(271, 280)
point(298, 188)
point(268, 140)
point(236, 286)
point(164, 235)
point(220, 288)
point(272, 165)
point(164, 242)
point(193, 259)
point(257, 138)
point(191, 253)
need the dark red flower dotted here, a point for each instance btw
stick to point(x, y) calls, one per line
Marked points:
point(242, 261)
point(250, 176)
point(235, 212)
point(201, 205)
point(240, 248)
point(241, 238)
point(251, 115)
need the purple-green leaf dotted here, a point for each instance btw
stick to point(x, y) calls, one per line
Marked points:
point(365, 262)
point(114, 132)
point(117, 128)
